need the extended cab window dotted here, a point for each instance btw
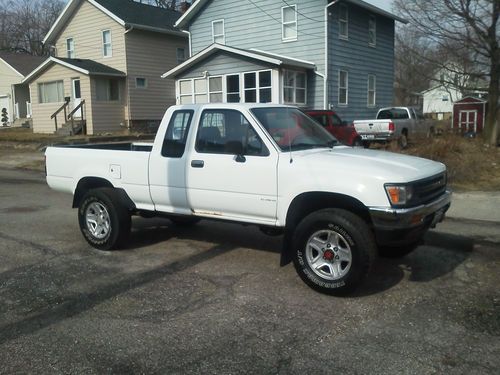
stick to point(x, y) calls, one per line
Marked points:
point(228, 132)
point(174, 143)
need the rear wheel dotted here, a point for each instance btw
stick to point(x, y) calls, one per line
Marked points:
point(333, 250)
point(403, 141)
point(357, 142)
point(104, 222)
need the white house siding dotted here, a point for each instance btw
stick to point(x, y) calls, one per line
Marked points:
point(8, 77)
point(42, 123)
point(149, 55)
point(246, 26)
point(434, 103)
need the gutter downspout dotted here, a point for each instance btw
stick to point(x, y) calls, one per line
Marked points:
point(190, 47)
point(127, 83)
point(325, 80)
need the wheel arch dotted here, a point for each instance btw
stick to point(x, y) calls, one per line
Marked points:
point(88, 183)
point(309, 202)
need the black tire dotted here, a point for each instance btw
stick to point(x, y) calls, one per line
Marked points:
point(403, 141)
point(355, 236)
point(184, 221)
point(118, 218)
point(358, 143)
point(366, 144)
point(395, 252)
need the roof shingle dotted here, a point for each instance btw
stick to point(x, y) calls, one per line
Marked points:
point(134, 13)
point(22, 62)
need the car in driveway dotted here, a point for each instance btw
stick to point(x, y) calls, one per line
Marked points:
point(342, 130)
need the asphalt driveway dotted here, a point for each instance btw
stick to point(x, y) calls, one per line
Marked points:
point(212, 299)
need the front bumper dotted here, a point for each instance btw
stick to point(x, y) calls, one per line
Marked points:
point(399, 226)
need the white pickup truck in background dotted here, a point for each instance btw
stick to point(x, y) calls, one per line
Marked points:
point(394, 123)
point(268, 165)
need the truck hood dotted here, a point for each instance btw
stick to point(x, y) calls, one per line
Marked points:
point(382, 165)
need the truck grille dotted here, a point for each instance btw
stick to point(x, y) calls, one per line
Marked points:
point(425, 191)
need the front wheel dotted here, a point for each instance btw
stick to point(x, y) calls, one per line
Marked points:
point(333, 250)
point(104, 222)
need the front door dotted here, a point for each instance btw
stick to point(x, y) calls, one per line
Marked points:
point(468, 121)
point(77, 96)
point(232, 173)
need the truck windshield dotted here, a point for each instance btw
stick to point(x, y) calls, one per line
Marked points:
point(293, 130)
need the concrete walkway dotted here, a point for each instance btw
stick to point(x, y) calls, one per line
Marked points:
point(483, 206)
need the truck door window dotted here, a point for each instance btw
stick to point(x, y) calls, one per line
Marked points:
point(174, 143)
point(336, 121)
point(322, 119)
point(224, 131)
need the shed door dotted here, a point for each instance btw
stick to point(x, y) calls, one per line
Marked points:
point(468, 121)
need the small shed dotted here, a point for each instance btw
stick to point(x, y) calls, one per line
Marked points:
point(469, 114)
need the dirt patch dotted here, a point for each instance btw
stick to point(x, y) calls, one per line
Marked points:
point(472, 164)
point(23, 210)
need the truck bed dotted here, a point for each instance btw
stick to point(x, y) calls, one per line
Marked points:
point(116, 146)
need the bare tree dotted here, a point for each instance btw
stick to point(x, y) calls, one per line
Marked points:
point(169, 4)
point(463, 29)
point(25, 23)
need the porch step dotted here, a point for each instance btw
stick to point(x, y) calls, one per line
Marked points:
point(67, 130)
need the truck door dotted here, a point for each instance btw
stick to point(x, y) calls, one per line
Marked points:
point(167, 167)
point(232, 173)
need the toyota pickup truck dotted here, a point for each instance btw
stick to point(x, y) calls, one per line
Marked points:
point(268, 165)
point(395, 123)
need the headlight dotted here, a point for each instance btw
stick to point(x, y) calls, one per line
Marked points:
point(399, 195)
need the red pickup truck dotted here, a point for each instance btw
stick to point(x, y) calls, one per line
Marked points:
point(343, 131)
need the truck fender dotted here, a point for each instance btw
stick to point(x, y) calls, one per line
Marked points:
point(89, 183)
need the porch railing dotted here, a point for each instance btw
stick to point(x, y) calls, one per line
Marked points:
point(71, 117)
point(62, 108)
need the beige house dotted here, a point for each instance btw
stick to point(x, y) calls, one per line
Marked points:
point(14, 95)
point(105, 72)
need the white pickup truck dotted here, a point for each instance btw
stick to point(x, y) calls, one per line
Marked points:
point(268, 165)
point(394, 123)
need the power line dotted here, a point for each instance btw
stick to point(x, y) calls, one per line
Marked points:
point(302, 14)
point(280, 22)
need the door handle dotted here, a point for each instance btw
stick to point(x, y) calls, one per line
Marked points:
point(197, 163)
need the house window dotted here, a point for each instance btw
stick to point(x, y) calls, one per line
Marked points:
point(343, 87)
point(200, 91)
point(141, 83)
point(218, 35)
point(289, 23)
point(181, 55)
point(70, 48)
point(257, 88)
point(372, 90)
point(250, 87)
point(233, 88)
point(51, 92)
point(294, 87)
point(107, 90)
point(107, 47)
point(186, 92)
point(372, 31)
point(215, 89)
point(343, 22)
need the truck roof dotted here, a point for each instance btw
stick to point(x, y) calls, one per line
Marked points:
point(233, 106)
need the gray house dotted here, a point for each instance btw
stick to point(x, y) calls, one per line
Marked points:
point(314, 54)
